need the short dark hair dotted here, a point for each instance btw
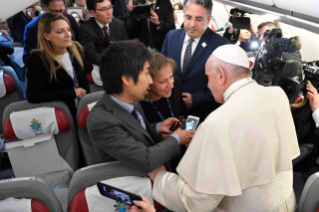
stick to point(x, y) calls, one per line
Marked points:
point(269, 23)
point(123, 58)
point(207, 4)
point(180, 6)
point(47, 2)
point(91, 4)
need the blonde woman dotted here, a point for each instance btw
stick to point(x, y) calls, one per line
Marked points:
point(56, 71)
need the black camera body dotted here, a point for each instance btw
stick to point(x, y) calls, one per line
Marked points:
point(141, 9)
point(239, 22)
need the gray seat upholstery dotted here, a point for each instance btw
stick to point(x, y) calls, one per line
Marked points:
point(309, 200)
point(14, 96)
point(5, 34)
point(67, 142)
point(90, 175)
point(78, 10)
point(89, 154)
point(30, 188)
point(95, 88)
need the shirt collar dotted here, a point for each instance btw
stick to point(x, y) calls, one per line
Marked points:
point(126, 106)
point(101, 25)
point(187, 38)
point(149, 3)
point(233, 87)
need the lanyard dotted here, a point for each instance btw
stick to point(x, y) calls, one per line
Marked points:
point(157, 111)
point(74, 75)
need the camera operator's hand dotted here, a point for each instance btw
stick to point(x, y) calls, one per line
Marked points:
point(154, 18)
point(130, 6)
point(145, 205)
point(185, 136)
point(313, 97)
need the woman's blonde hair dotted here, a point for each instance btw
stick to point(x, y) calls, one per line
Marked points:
point(45, 46)
point(158, 61)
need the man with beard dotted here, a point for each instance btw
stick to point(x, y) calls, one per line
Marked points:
point(117, 125)
point(190, 47)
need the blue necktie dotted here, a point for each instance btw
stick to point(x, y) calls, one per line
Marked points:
point(134, 113)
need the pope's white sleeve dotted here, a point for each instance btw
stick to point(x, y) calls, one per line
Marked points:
point(173, 192)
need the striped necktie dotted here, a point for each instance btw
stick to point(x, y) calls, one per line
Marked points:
point(134, 113)
point(188, 54)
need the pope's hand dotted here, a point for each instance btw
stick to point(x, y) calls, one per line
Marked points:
point(145, 205)
point(187, 97)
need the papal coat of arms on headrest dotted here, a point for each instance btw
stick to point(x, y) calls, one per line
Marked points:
point(120, 207)
point(36, 127)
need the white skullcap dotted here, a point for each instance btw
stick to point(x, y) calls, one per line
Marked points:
point(232, 54)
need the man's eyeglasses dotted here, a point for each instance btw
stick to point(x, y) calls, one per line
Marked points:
point(104, 9)
point(56, 11)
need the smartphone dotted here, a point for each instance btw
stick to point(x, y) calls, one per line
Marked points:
point(118, 194)
point(191, 122)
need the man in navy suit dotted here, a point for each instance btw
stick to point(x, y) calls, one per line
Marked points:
point(190, 47)
point(17, 25)
point(31, 29)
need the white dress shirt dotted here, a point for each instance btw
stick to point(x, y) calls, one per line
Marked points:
point(194, 45)
point(101, 26)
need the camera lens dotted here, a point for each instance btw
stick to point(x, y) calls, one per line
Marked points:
point(288, 86)
point(276, 65)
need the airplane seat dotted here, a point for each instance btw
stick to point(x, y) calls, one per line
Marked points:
point(5, 34)
point(84, 107)
point(309, 199)
point(84, 195)
point(10, 89)
point(41, 140)
point(28, 194)
point(94, 78)
point(31, 14)
point(78, 10)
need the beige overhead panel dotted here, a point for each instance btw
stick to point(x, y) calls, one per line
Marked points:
point(10, 7)
point(298, 13)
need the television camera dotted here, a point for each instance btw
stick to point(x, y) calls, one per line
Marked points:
point(271, 70)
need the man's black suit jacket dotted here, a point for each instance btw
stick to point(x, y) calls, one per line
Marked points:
point(93, 40)
point(139, 29)
point(17, 24)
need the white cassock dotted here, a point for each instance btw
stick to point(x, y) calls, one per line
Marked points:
point(240, 158)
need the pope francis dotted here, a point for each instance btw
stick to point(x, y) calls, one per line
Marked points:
point(240, 158)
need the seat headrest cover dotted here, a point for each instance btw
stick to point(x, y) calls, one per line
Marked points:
point(38, 121)
point(89, 77)
point(11, 204)
point(84, 115)
point(9, 83)
point(37, 206)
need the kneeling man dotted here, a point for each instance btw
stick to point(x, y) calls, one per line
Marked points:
point(240, 158)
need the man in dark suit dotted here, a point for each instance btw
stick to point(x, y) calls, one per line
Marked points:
point(152, 31)
point(190, 48)
point(31, 30)
point(101, 29)
point(117, 125)
point(17, 24)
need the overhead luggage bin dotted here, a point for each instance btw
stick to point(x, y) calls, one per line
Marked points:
point(266, 2)
point(305, 7)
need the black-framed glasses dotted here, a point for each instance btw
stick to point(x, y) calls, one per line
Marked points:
point(104, 9)
point(56, 11)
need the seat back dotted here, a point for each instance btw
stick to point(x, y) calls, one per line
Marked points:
point(89, 176)
point(82, 114)
point(79, 10)
point(13, 96)
point(309, 199)
point(66, 142)
point(33, 188)
point(5, 34)
point(94, 78)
